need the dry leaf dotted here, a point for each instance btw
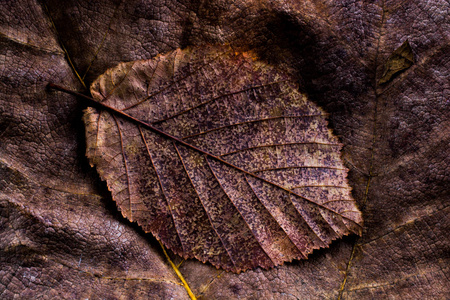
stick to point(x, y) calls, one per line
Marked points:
point(236, 167)
point(61, 236)
point(399, 61)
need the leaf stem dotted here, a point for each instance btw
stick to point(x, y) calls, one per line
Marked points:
point(180, 276)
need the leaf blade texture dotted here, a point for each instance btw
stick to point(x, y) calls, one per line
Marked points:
point(253, 176)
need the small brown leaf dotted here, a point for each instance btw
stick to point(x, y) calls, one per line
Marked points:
point(227, 163)
point(401, 59)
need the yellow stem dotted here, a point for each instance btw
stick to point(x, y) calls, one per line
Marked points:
point(185, 284)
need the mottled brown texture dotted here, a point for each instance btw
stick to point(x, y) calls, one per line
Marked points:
point(72, 244)
point(258, 179)
point(395, 137)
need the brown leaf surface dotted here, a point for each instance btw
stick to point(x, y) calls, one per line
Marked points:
point(401, 59)
point(238, 168)
point(395, 137)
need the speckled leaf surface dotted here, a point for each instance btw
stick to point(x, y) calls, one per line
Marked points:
point(61, 235)
point(242, 171)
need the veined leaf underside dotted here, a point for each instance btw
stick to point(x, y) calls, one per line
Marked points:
point(225, 162)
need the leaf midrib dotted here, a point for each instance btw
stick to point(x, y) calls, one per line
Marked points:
point(100, 105)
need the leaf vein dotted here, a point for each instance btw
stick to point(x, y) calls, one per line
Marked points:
point(229, 198)
point(210, 221)
point(282, 144)
point(126, 166)
point(250, 122)
point(162, 189)
point(171, 84)
point(246, 179)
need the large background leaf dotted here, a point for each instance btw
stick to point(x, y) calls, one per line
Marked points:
point(61, 238)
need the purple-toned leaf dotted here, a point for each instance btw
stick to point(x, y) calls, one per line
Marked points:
point(229, 163)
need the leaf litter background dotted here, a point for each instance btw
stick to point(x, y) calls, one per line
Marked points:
point(61, 235)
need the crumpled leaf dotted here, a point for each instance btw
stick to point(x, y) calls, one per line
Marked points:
point(50, 245)
point(395, 137)
point(401, 59)
point(238, 168)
